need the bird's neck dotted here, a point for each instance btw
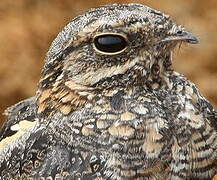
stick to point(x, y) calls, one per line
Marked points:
point(66, 95)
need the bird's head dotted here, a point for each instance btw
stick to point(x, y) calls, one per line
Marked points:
point(118, 45)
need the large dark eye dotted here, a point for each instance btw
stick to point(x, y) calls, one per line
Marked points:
point(110, 43)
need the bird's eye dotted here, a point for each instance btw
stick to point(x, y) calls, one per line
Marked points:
point(110, 43)
point(180, 32)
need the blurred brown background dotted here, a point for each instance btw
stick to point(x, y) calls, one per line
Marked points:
point(27, 27)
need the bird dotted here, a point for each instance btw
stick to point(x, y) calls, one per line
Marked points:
point(109, 105)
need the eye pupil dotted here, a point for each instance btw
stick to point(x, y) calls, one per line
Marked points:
point(110, 43)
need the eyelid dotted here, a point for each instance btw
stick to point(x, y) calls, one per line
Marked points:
point(108, 33)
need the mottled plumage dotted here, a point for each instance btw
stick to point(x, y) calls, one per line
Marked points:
point(118, 113)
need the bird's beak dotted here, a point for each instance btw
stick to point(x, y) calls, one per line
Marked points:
point(183, 36)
